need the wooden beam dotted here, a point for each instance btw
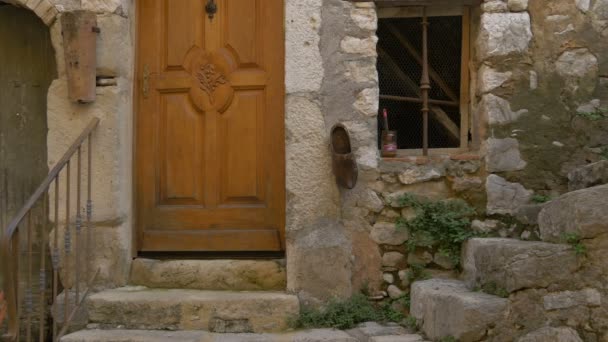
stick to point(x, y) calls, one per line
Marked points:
point(438, 113)
point(443, 118)
point(419, 100)
point(412, 50)
point(391, 64)
point(465, 97)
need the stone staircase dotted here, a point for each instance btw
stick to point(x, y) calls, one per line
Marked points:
point(191, 298)
point(547, 291)
point(210, 301)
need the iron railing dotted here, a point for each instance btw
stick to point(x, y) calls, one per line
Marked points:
point(24, 287)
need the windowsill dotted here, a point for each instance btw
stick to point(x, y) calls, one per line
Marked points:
point(415, 156)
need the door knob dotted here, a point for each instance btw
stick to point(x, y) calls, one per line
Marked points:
point(211, 8)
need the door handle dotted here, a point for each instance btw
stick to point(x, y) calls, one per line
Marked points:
point(211, 8)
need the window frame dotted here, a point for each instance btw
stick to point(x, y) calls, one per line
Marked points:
point(465, 76)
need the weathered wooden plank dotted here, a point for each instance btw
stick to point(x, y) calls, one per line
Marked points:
point(80, 43)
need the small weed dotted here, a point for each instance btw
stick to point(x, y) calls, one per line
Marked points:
point(574, 240)
point(540, 198)
point(411, 323)
point(604, 153)
point(404, 300)
point(448, 339)
point(345, 314)
point(444, 224)
point(598, 114)
point(417, 272)
point(493, 289)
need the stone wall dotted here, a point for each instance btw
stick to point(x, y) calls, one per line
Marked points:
point(539, 80)
point(535, 66)
point(112, 140)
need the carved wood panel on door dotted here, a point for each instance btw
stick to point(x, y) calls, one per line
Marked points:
point(210, 126)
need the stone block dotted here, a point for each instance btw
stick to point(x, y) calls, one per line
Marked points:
point(232, 275)
point(528, 213)
point(588, 176)
point(101, 6)
point(494, 6)
point(518, 5)
point(416, 175)
point(498, 110)
point(109, 253)
point(505, 197)
point(490, 79)
point(303, 63)
point(447, 308)
point(367, 101)
point(367, 330)
point(569, 299)
point(579, 68)
point(503, 34)
point(599, 17)
point(365, 18)
point(143, 308)
point(385, 233)
point(114, 47)
point(514, 264)
point(111, 172)
point(583, 212)
point(393, 259)
point(551, 334)
point(322, 242)
point(503, 155)
point(402, 338)
point(360, 46)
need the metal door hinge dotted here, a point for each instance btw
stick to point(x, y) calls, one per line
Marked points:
point(146, 82)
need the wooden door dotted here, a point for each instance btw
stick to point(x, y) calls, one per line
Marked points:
point(210, 126)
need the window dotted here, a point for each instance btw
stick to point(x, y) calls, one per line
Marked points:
point(400, 69)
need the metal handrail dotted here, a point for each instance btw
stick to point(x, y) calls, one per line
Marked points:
point(9, 240)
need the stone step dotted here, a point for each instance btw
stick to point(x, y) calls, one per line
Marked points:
point(317, 335)
point(582, 213)
point(139, 307)
point(228, 275)
point(510, 265)
point(446, 307)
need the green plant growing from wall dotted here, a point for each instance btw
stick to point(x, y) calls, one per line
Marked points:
point(447, 223)
point(604, 153)
point(417, 272)
point(345, 314)
point(411, 323)
point(448, 339)
point(493, 289)
point(574, 240)
point(540, 198)
point(597, 114)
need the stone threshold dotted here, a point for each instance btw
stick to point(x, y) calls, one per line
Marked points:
point(315, 335)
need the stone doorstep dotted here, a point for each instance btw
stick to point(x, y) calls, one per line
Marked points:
point(223, 275)
point(217, 311)
point(445, 307)
point(513, 265)
point(317, 335)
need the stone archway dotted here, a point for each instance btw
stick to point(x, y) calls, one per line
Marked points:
point(44, 9)
point(28, 68)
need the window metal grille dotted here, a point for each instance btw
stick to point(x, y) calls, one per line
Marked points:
point(400, 73)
